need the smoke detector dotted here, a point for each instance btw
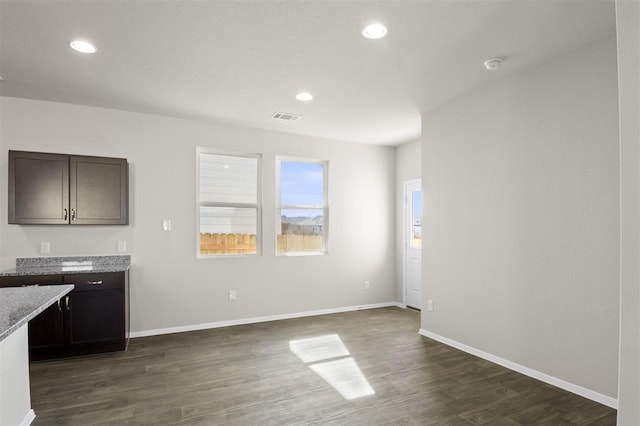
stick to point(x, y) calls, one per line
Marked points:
point(285, 117)
point(492, 64)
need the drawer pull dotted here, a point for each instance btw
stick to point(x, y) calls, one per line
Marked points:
point(66, 214)
point(99, 282)
point(59, 306)
point(66, 302)
point(73, 214)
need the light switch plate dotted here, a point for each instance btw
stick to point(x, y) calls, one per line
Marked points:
point(166, 225)
point(45, 247)
point(122, 246)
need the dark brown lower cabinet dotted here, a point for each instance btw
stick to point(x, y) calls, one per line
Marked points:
point(93, 318)
point(46, 331)
point(95, 321)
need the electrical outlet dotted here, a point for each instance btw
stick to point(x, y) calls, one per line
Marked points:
point(367, 285)
point(45, 247)
point(233, 295)
point(430, 305)
point(122, 246)
point(166, 225)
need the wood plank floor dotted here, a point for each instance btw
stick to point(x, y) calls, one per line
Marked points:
point(247, 375)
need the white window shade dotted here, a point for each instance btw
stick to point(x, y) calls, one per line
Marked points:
point(228, 220)
point(228, 179)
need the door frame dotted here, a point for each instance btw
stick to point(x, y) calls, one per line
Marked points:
point(406, 220)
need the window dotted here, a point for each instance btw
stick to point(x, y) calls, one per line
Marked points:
point(416, 219)
point(228, 203)
point(302, 206)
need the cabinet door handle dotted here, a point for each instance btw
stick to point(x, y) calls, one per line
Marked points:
point(99, 282)
point(59, 306)
point(73, 214)
point(66, 214)
point(66, 302)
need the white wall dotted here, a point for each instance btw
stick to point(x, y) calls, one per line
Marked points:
point(170, 287)
point(407, 168)
point(628, 24)
point(2, 150)
point(521, 249)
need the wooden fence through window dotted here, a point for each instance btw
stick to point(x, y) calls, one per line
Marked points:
point(246, 243)
point(295, 242)
point(227, 243)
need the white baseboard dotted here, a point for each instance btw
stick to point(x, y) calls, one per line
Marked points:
point(254, 320)
point(28, 419)
point(578, 390)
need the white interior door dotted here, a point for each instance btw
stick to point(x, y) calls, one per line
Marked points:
point(413, 243)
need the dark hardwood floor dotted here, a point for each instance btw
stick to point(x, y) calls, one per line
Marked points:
point(249, 375)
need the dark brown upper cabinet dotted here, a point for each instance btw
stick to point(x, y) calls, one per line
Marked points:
point(67, 189)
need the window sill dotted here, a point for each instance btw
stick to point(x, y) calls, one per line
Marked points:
point(302, 253)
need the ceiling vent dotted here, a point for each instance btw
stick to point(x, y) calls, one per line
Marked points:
point(285, 117)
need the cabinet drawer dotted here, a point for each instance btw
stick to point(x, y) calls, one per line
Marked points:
point(19, 281)
point(93, 282)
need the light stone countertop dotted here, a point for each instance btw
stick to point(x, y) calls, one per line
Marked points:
point(68, 265)
point(18, 305)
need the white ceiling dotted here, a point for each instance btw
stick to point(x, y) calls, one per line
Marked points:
point(241, 61)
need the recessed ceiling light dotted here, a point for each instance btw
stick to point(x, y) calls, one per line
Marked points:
point(304, 96)
point(492, 64)
point(374, 31)
point(83, 46)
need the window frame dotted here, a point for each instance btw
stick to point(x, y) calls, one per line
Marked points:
point(258, 205)
point(279, 207)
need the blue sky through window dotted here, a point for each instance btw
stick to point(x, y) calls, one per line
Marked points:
point(301, 184)
point(417, 204)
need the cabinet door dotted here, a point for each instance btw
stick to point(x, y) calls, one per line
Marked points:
point(98, 191)
point(46, 333)
point(95, 321)
point(38, 188)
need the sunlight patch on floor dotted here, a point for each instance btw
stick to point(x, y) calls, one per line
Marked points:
point(345, 376)
point(338, 369)
point(318, 348)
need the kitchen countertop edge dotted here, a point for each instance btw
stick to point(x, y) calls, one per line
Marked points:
point(68, 265)
point(62, 270)
point(54, 293)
